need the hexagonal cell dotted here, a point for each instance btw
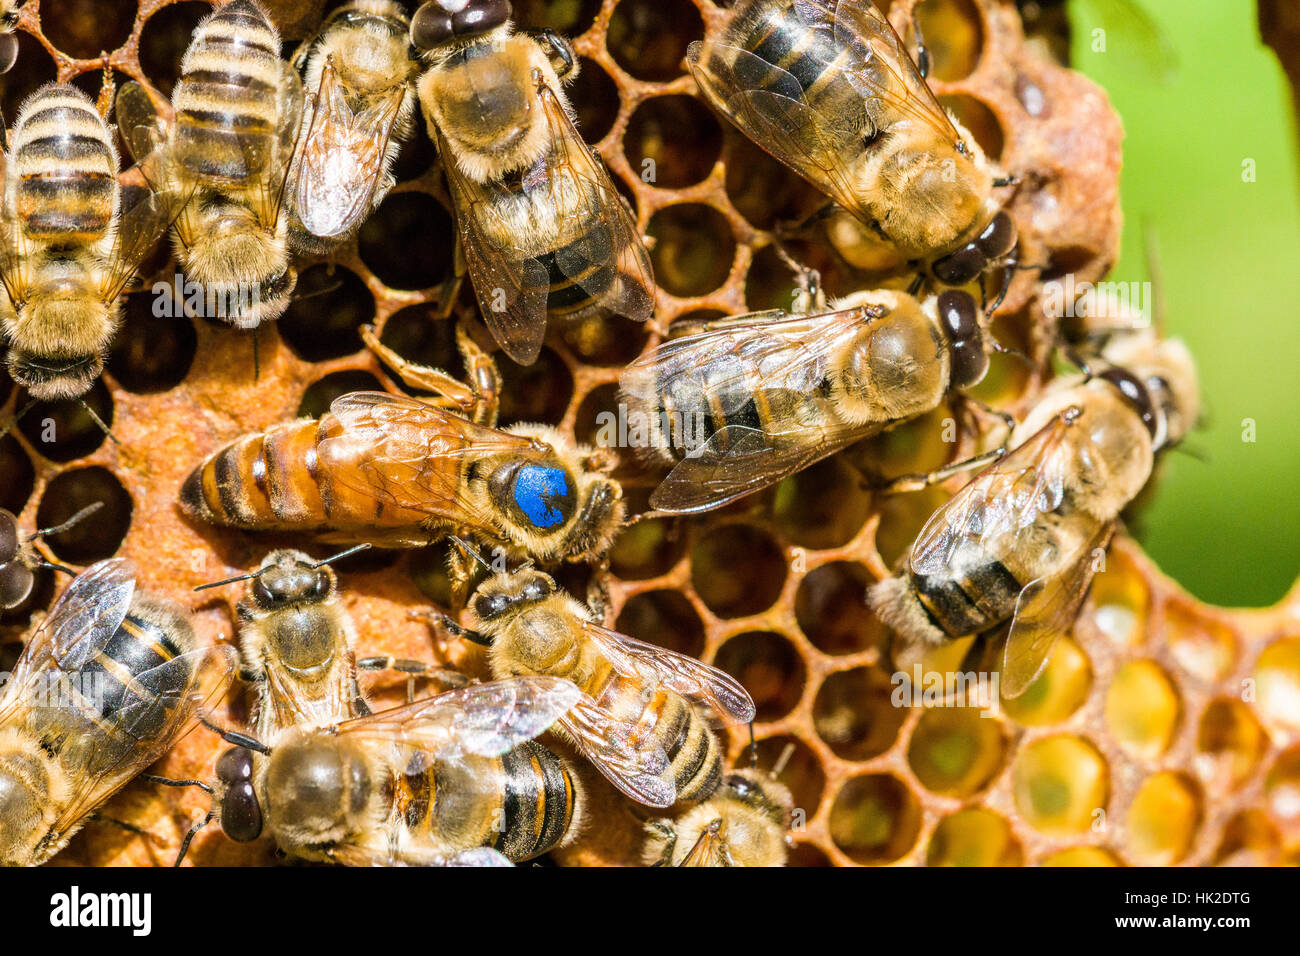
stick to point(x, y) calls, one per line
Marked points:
point(979, 121)
point(604, 339)
point(597, 420)
point(823, 506)
point(570, 17)
point(648, 38)
point(1249, 839)
point(1060, 785)
point(807, 855)
point(854, 714)
point(1277, 683)
point(954, 34)
point(329, 305)
point(763, 190)
point(1058, 691)
point(901, 519)
point(407, 242)
point(693, 248)
point(1163, 819)
point(595, 99)
point(801, 771)
point(973, 837)
point(672, 141)
point(1231, 743)
point(84, 28)
point(875, 819)
point(913, 447)
point(1206, 648)
point(66, 430)
point(321, 393)
point(151, 353)
point(1142, 709)
point(534, 393)
point(1082, 856)
point(417, 155)
point(729, 589)
point(20, 475)
point(1282, 790)
point(163, 40)
point(832, 612)
point(769, 667)
point(955, 751)
point(664, 618)
point(1120, 601)
point(419, 335)
point(98, 535)
point(647, 549)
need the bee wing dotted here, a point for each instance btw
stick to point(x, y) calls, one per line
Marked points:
point(683, 675)
point(769, 104)
point(711, 848)
point(479, 856)
point(417, 850)
point(208, 672)
point(1000, 502)
point(141, 224)
point(141, 123)
point(274, 181)
point(387, 447)
point(1045, 610)
point(342, 158)
point(485, 720)
point(606, 741)
point(510, 281)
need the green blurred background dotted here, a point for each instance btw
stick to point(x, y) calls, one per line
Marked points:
point(1227, 528)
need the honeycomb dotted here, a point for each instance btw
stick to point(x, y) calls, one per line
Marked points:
point(1163, 731)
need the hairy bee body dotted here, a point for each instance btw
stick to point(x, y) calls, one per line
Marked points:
point(742, 824)
point(80, 718)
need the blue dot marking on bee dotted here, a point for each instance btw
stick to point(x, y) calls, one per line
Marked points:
point(536, 490)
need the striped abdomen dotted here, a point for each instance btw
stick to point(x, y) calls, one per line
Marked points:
point(65, 167)
point(227, 100)
point(520, 804)
point(965, 603)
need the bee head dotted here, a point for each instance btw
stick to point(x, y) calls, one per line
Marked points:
point(290, 577)
point(761, 792)
point(1166, 368)
point(965, 263)
point(16, 579)
point(502, 594)
point(1136, 396)
point(439, 21)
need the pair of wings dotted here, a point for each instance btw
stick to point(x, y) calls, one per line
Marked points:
point(266, 162)
point(510, 280)
point(999, 508)
point(78, 627)
point(611, 742)
point(871, 67)
point(343, 157)
point(740, 357)
point(398, 451)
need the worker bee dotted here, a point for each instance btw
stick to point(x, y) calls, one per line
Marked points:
point(236, 111)
point(739, 404)
point(452, 779)
point(9, 10)
point(1021, 542)
point(69, 245)
point(103, 687)
point(742, 824)
point(641, 718)
point(19, 558)
point(541, 226)
point(360, 73)
point(401, 473)
point(828, 89)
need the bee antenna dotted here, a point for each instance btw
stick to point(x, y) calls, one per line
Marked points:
point(464, 546)
point(782, 760)
point(191, 833)
point(17, 415)
point(59, 528)
point(753, 747)
point(338, 557)
point(256, 366)
point(97, 420)
point(57, 567)
point(239, 577)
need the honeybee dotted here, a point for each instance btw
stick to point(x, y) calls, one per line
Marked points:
point(739, 404)
point(541, 226)
point(68, 246)
point(105, 684)
point(827, 87)
point(742, 824)
point(9, 10)
point(1020, 542)
point(452, 779)
point(236, 109)
point(398, 472)
point(20, 558)
point(361, 73)
point(641, 717)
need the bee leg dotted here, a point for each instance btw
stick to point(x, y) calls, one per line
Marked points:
point(478, 400)
point(449, 679)
point(454, 629)
point(169, 782)
point(1006, 418)
point(191, 833)
point(905, 483)
point(128, 827)
point(559, 52)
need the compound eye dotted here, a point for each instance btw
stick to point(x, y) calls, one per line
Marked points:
point(8, 45)
point(320, 586)
point(235, 766)
point(241, 814)
point(959, 315)
point(961, 266)
point(480, 16)
point(968, 358)
point(16, 582)
point(1136, 394)
point(543, 495)
point(535, 590)
point(739, 785)
point(998, 237)
point(490, 605)
point(430, 27)
point(8, 535)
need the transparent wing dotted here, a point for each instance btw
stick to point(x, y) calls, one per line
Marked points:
point(1001, 502)
point(342, 158)
point(711, 847)
point(606, 741)
point(140, 121)
point(683, 675)
point(82, 621)
point(273, 182)
point(139, 227)
point(398, 450)
point(485, 720)
point(1045, 610)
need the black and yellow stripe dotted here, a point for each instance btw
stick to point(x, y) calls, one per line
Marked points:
point(538, 803)
point(960, 605)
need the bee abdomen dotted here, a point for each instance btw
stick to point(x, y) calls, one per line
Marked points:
point(66, 167)
point(812, 55)
point(578, 274)
point(539, 803)
point(960, 605)
point(691, 747)
point(227, 100)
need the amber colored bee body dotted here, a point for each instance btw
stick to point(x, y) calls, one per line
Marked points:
point(742, 824)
